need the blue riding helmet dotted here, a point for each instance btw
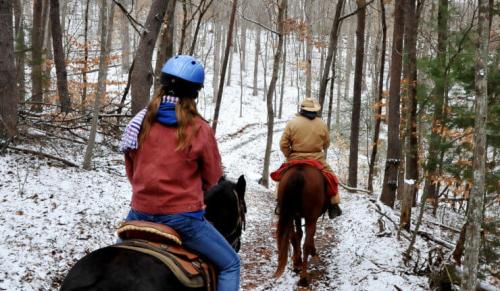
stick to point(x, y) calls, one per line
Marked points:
point(185, 67)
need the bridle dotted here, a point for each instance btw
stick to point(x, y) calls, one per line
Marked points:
point(234, 236)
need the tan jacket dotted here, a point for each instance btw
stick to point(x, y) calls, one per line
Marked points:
point(305, 139)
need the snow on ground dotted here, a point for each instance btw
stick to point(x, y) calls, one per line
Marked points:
point(51, 216)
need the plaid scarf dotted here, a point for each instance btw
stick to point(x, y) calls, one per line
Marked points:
point(130, 136)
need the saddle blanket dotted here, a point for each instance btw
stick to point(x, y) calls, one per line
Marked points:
point(331, 179)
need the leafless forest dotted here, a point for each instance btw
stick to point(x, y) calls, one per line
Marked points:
point(410, 87)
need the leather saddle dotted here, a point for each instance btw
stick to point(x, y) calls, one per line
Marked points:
point(165, 244)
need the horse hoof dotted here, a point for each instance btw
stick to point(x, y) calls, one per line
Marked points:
point(304, 282)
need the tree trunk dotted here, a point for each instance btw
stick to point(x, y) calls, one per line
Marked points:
point(36, 56)
point(142, 74)
point(256, 63)
point(406, 202)
point(243, 44)
point(348, 60)
point(101, 84)
point(332, 49)
point(309, 46)
point(125, 40)
point(166, 42)
point(203, 10)
point(62, 74)
point(272, 86)
point(229, 40)
point(20, 47)
point(430, 187)
point(8, 88)
point(410, 75)
point(356, 103)
point(217, 47)
point(378, 110)
point(476, 198)
point(85, 58)
point(393, 143)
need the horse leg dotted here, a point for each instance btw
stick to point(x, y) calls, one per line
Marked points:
point(296, 240)
point(309, 249)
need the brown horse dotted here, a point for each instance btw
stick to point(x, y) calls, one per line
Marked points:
point(302, 193)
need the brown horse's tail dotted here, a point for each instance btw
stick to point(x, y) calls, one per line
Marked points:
point(289, 206)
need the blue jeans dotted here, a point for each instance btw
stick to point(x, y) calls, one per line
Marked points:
point(200, 236)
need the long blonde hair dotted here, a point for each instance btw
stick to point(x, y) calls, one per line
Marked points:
point(186, 113)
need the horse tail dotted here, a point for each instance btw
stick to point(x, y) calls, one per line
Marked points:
point(289, 206)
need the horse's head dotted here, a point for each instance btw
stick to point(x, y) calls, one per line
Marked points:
point(226, 209)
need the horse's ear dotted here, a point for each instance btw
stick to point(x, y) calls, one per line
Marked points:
point(241, 186)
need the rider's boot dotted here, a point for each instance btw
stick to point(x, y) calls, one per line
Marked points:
point(334, 208)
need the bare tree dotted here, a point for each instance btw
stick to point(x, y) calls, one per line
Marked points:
point(393, 144)
point(85, 57)
point(332, 50)
point(36, 55)
point(476, 199)
point(125, 39)
point(356, 103)
point(59, 59)
point(229, 41)
point(272, 87)
point(8, 88)
point(256, 62)
point(309, 46)
point(166, 42)
point(106, 22)
point(142, 74)
point(20, 48)
point(378, 110)
point(440, 90)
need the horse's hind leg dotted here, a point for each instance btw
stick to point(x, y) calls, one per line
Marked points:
point(296, 240)
point(309, 249)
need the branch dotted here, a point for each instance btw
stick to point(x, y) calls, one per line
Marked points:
point(354, 189)
point(355, 11)
point(132, 20)
point(258, 23)
point(36, 153)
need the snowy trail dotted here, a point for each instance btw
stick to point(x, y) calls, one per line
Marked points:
point(63, 213)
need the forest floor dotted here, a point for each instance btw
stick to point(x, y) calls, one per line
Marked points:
point(52, 215)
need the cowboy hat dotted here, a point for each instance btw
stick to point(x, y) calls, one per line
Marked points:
point(310, 104)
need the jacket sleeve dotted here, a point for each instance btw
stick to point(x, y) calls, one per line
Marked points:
point(285, 144)
point(129, 166)
point(210, 164)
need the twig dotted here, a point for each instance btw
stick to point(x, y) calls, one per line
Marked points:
point(258, 23)
point(132, 20)
point(45, 155)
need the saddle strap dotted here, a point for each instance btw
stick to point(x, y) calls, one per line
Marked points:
point(173, 264)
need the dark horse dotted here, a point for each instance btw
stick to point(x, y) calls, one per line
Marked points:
point(113, 268)
point(301, 194)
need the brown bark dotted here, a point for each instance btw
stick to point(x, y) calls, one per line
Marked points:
point(142, 74)
point(36, 55)
point(204, 8)
point(20, 48)
point(166, 42)
point(272, 87)
point(106, 21)
point(229, 40)
point(476, 199)
point(393, 143)
point(356, 103)
point(332, 50)
point(59, 59)
point(406, 202)
point(8, 88)
point(430, 187)
point(125, 39)
point(256, 63)
point(378, 110)
point(85, 57)
point(309, 47)
point(410, 75)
